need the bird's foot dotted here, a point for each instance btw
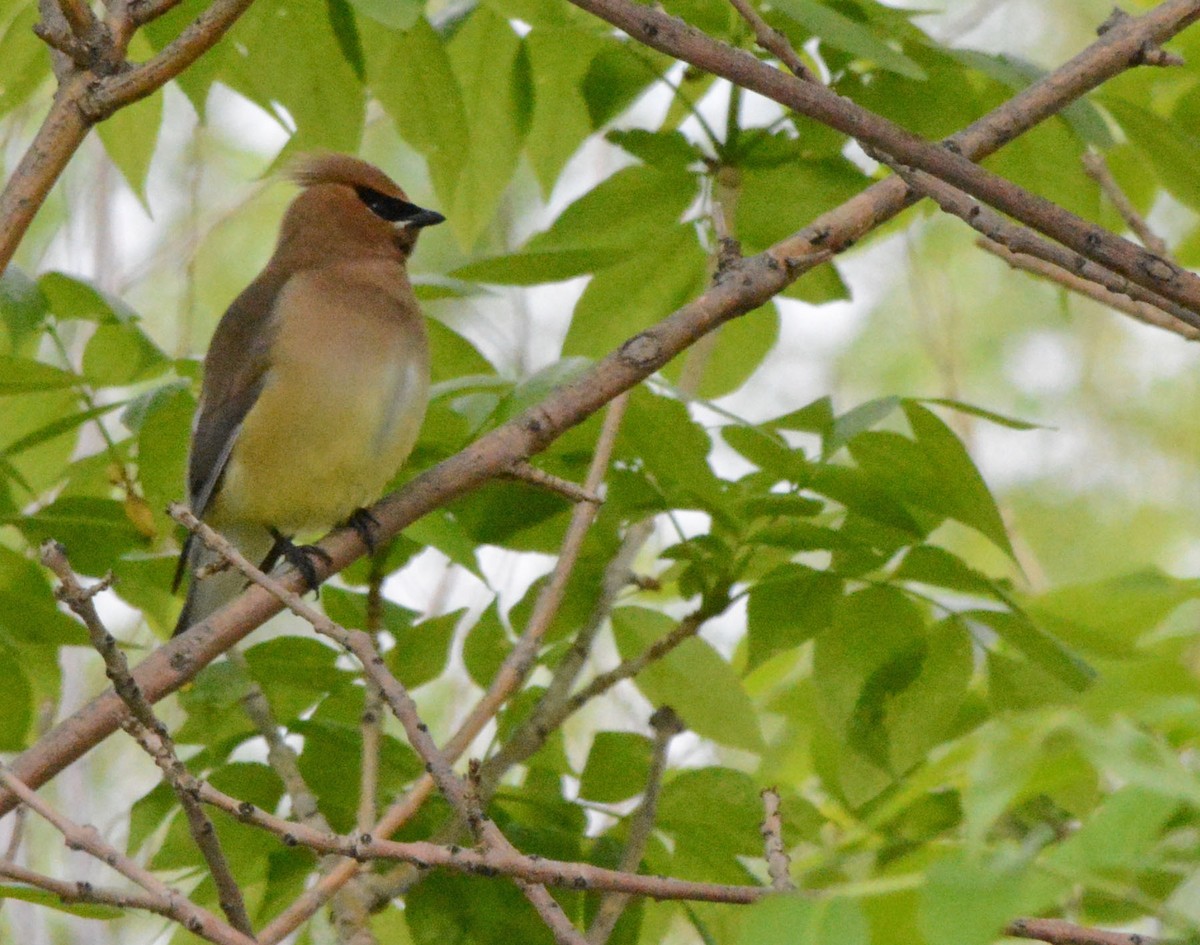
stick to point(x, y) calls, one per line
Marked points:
point(365, 526)
point(300, 557)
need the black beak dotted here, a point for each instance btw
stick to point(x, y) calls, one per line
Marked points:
point(423, 218)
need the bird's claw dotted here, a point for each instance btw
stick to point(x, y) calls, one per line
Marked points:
point(365, 525)
point(300, 557)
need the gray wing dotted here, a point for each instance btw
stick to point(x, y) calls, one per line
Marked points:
point(235, 370)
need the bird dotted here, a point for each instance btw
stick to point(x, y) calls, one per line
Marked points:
point(315, 382)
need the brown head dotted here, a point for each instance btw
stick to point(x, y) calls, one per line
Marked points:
point(348, 208)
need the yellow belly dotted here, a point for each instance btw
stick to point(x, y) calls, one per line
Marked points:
point(322, 440)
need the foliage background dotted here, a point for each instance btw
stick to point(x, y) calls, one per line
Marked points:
point(912, 682)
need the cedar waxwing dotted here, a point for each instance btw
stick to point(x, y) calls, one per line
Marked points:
point(316, 379)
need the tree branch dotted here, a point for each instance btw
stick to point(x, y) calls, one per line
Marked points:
point(195, 919)
point(1020, 240)
point(150, 733)
point(89, 94)
point(666, 725)
point(1142, 311)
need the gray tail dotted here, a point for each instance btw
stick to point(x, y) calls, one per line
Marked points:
point(209, 594)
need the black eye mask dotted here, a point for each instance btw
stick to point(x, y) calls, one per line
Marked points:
point(395, 210)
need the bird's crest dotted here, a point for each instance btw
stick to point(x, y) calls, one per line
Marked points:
point(330, 168)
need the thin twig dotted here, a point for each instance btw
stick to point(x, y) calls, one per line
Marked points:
point(280, 755)
point(1061, 932)
point(87, 838)
point(1142, 311)
point(150, 733)
point(687, 628)
point(1097, 169)
point(83, 892)
point(1150, 53)
point(774, 851)
point(666, 725)
point(527, 472)
point(1021, 240)
point(398, 700)
point(773, 41)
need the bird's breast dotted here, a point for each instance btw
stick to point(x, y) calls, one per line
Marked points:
point(339, 412)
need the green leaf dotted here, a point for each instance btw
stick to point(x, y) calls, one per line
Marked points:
point(55, 429)
point(788, 606)
point(787, 920)
point(29, 612)
point(1121, 834)
point(692, 679)
point(617, 76)
point(486, 646)
point(535, 268)
point(997, 418)
point(630, 296)
point(617, 768)
point(491, 67)
point(1018, 631)
point(1109, 617)
point(850, 36)
point(22, 311)
point(345, 30)
point(293, 59)
point(95, 531)
point(738, 349)
point(621, 211)
point(713, 815)
point(558, 61)
point(22, 376)
point(1170, 149)
point(121, 354)
point(770, 453)
point(394, 14)
point(410, 74)
point(929, 564)
point(999, 887)
point(297, 672)
point(69, 298)
point(452, 909)
point(130, 134)
point(775, 199)
point(666, 150)
point(41, 897)
point(23, 64)
point(17, 717)
point(871, 656)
